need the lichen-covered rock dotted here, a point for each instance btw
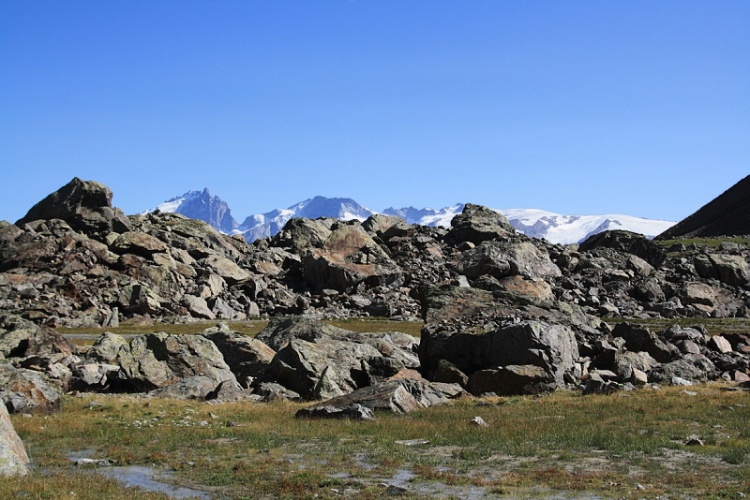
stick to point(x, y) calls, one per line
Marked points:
point(322, 370)
point(28, 391)
point(348, 257)
point(139, 243)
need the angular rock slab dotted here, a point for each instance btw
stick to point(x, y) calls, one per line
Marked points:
point(395, 396)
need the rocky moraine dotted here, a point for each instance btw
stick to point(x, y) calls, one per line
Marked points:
point(503, 313)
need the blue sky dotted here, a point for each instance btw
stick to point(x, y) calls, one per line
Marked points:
point(577, 107)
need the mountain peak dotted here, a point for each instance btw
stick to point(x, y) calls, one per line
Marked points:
point(201, 205)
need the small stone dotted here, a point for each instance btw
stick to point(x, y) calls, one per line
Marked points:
point(395, 491)
point(479, 422)
point(680, 381)
point(694, 441)
point(412, 442)
point(689, 393)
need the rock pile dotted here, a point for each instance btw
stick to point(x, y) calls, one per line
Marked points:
point(503, 313)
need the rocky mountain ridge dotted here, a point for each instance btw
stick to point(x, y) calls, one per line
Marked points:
point(503, 313)
point(556, 228)
point(726, 215)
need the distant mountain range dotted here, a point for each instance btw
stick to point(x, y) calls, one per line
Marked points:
point(556, 228)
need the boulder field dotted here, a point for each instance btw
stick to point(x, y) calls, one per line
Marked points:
point(503, 314)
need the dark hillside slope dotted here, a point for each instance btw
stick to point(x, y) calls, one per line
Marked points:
point(726, 215)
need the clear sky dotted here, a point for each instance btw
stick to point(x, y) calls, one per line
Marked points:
point(577, 107)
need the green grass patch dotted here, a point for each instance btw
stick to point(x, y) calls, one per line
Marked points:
point(714, 242)
point(560, 442)
point(714, 326)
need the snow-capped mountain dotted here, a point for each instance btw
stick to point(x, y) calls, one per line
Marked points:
point(268, 224)
point(565, 229)
point(555, 228)
point(427, 216)
point(201, 205)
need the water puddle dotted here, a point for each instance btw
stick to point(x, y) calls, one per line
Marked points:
point(149, 479)
point(139, 476)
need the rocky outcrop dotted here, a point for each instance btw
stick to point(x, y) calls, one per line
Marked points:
point(248, 358)
point(84, 205)
point(628, 242)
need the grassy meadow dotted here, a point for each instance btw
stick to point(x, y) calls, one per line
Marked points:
point(615, 446)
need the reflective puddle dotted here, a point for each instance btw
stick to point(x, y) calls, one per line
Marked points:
point(149, 479)
point(133, 476)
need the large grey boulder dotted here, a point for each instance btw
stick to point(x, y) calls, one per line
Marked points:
point(247, 357)
point(550, 347)
point(138, 242)
point(20, 338)
point(156, 360)
point(321, 361)
point(85, 205)
point(730, 269)
point(387, 226)
point(507, 258)
point(694, 368)
point(13, 458)
point(638, 338)
point(227, 269)
point(324, 369)
point(477, 224)
point(106, 348)
point(511, 380)
point(283, 329)
point(300, 234)
point(195, 387)
point(626, 242)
